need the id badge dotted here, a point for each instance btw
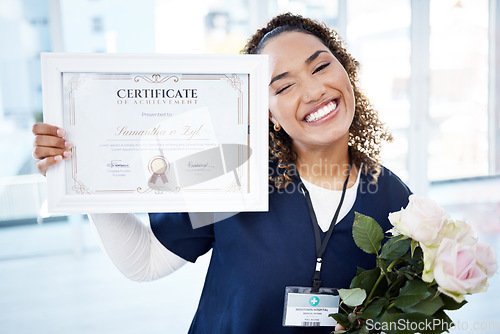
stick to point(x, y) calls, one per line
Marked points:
point(306, 309)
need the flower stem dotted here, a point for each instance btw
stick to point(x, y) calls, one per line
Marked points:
point(375, 285)
point(393, 263)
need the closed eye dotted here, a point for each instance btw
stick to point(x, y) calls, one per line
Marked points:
point(279, 91)
point(321, 67)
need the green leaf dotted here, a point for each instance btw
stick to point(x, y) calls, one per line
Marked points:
point(359, 270)
point(374, 308)
point(428, 306)
point(395, 247)
point(387, 322)
point(340, 318)
point(415, 322)
point(450, 303)
point(409, 323)
point(392, 290)
point(352, 297)
point(357, 331)
point(411, 293)
point(445, 323)
point(367, 233)
point(414, 245)
point(366, 279)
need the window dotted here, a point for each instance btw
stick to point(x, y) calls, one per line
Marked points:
point(377, 33)
point(458, 113)
point(378, 36)
point(463, 47)
point(97, 25)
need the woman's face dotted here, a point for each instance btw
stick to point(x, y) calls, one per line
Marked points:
point(310, 94)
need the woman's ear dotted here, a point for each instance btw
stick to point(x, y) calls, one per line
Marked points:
point(277, 125)
point(271, 117)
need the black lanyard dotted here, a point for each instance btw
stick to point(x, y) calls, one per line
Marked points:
point(321, 246)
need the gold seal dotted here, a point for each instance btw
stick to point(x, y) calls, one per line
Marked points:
point(159, 165)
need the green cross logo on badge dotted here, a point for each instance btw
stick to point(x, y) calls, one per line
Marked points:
point(314, 301)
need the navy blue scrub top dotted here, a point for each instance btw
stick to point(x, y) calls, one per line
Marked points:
point(255, 255)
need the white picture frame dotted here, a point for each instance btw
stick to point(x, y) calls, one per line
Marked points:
point(136, 120)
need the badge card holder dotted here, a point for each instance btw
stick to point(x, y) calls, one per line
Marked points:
point(306, 309)
point(311, 306)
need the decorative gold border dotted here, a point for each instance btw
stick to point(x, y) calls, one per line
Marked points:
point(74, 84)
point(233, 80)
point(72, 113)
point(78, 186)
point(202, 77)
point(115, 191)
point(156, 78)
point(113, 76)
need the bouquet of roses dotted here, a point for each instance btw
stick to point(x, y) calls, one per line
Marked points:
point(425, 268)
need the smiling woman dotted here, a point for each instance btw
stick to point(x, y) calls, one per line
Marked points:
point(324, 166)
point(312, 100)
point(310, 92)
point(314, 96)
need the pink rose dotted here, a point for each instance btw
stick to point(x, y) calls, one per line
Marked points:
point(421, 220)
point(457, 230)
point(486, 259)
point(457, 271)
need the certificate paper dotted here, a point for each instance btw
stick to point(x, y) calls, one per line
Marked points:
point(184, 138)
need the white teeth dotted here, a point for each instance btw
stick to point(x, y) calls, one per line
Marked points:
point(312, 117)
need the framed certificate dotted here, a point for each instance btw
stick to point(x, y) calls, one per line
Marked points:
point(158, 133)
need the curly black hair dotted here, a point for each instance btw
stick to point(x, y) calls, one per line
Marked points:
point(366, 132)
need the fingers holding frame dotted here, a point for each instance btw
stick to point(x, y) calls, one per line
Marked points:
point(49, 146)
point(44, 164)
point(47, 129)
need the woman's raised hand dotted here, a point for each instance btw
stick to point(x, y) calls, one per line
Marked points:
point(49, 146)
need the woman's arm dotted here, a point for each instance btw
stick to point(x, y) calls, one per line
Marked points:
point(130, 244)
point(133, 248)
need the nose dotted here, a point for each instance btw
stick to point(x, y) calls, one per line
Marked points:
point(313, 90)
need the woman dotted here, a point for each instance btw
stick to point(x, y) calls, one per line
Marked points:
point(324, 156)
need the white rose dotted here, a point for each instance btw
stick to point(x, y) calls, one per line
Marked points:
point(421, 220)
point(429, 258)
point(458, 230)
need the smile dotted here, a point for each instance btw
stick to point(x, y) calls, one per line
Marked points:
point(322, 112)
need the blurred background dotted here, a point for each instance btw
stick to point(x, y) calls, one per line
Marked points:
point(431, 68)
